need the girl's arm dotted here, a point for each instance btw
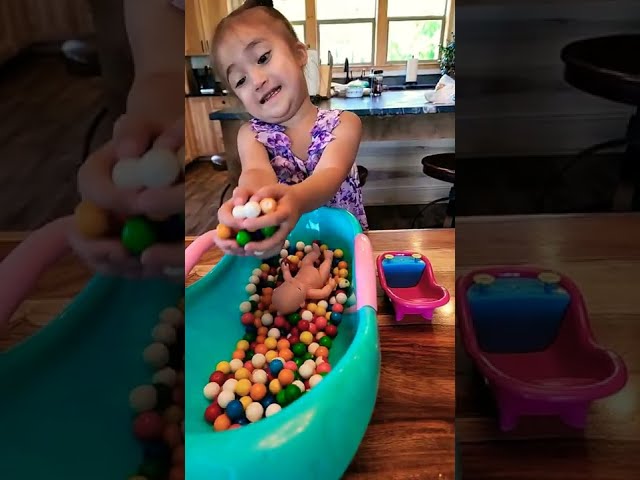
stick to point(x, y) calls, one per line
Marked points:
point(334, 166)
point(256, 168)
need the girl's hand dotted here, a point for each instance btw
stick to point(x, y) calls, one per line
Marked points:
point(285, 216)
point(229, 246)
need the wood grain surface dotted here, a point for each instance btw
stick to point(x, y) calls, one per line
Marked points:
point(411, 433)
point(601, 254)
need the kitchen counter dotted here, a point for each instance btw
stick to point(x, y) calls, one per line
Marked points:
point(411, 433)
point(405, 102)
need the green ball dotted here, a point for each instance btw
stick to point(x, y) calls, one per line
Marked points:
point(249, 354)
point(326, 341)
point(292, 392)
point(281, 398)
point(153, 469)
point(307, 356)
point(293, 318)
point(243, 237)
point(250, 337)
point(298, 361)
point(137, 235)
point(269, 231)
point(299, 349)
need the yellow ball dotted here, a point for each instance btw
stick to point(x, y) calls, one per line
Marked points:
point(327, 315)
point(336, 271)
point(294, 259)
point(242, 345)
point(343, 272)
point(265, 267)
point(91, 220)
point(242, 373)
point(320, 312)
point(323, 247)
point(312, 307)
point(306, 338)
point(245, 401)
point(271, 343)
point(270, 355)
point(258, 314)
point(274, 386)
point(338, 253)
point(243, 387)
point(224, 367)
point(223, 231)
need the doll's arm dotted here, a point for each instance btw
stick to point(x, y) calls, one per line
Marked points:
point(286, 273)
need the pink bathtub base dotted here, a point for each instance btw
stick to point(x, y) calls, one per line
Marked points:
point(512, 407)
point(402, 310)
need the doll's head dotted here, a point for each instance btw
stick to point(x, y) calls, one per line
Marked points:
point(257, 54)
point(289, 297)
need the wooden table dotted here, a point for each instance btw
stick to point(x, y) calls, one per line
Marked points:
point(601, 253)
point(411, 434)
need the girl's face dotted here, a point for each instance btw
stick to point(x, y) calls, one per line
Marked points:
point(263, 67)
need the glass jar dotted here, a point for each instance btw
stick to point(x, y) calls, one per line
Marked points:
point(378, 80)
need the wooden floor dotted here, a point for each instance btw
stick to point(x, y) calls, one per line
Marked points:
point(46, 114)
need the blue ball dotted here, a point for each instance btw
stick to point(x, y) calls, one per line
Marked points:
point(267, 400)
point(276, 366)
point(235, 410)
point(336, 318)
point(243, 421)
point(251, 329)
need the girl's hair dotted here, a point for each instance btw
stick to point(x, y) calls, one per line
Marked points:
point(267, 7)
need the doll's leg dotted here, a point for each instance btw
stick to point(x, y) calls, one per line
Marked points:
point(325, 266)
point(311, 257)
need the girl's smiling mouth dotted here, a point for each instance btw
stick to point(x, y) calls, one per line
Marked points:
point(270, 94)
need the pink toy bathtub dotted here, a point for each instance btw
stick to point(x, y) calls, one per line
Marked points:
point(527, 331)
point(407, 279)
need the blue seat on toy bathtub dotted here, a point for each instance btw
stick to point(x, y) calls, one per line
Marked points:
point(317, 435)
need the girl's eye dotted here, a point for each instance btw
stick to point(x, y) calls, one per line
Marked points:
point(240, 82)
point(264, 57)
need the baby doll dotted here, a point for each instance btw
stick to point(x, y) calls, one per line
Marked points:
point(309, 283)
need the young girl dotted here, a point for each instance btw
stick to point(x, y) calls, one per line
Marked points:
point(290, 150)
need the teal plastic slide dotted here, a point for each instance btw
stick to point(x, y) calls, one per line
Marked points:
point(316, 436)
point(64, 392)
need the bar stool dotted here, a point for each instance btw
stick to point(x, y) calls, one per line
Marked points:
point(607, 67)
point(442, 166)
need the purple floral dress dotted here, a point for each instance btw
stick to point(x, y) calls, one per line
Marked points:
point(290, 170)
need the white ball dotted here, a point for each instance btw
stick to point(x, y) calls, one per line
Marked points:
point(284, 253)
point(308, 249)
point(258, 360)
point(300, 385)
point(306, 371)
point(238, 211)
point(252, 209)
point(257, 272)
point(255, 298)
point(251, 288)
point(172, 316)
point(259, 376)
point(164, 333)
point(300, 246)
point(341, 298)
point(245, 307)
point(332, 300)
point(254, 411)
point(343, 283)
point(254, 279)
point(166, 376)
point(271, 278)
point(274, 333)
point(287, 244)
point(156, 355)
point(319, 335)
point(211, 391)
point(319, 360)
point(158, 167)
point(272, 409)
point(314, 380)
point(225, 397)
point(267, 319)
point(235, 364)
point(323, 304)
point(312, 347)
point(143, 398)
point(126, 173)
point(230, 385)
point(307, 315)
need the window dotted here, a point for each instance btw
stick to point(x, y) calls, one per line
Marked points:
point(371, 32)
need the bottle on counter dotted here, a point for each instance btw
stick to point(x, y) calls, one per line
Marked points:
point(377, 83)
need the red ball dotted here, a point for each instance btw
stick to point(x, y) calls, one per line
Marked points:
point(261, 306)
point(295, 331)
point(337, 292)
point(293, 339)
point(212, 412)
point(324, 367)
point(269, 377)
point(264, 276)
point(148, 425)
point(291, 365)
point(273, 271)
point(303, 325)
point(279, 321)
point(337, 307)
point(321, 323)
point(307, 386)
point(247, 318)
point(313, 328)
point(331, 330)
point(178, 396)
point(253, 345)
point(218, 377)
point(234, 426)
point(248, 365)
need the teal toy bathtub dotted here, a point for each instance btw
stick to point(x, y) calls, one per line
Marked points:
point(317, 436)
point(64, 395)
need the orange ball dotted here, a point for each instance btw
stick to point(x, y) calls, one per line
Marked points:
point(177, 456)
point(262, 330)
point(239, 354)
point(283, 344)
point(222, 423)
point(342, 264)
point(285, 377)
point(258, 391)
point(286, 354)
point(261, 347)
point(91, 220)
point(223, 231)
point(257, 322)
point(176, 472)
point(322, 352)
point(267, 205)
point(242, 373)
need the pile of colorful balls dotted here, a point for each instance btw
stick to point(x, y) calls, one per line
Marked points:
point(159, 405)
point(279, 358)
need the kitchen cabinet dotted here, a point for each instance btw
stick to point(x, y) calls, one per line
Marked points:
point(201, 19)
point(203, 137)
